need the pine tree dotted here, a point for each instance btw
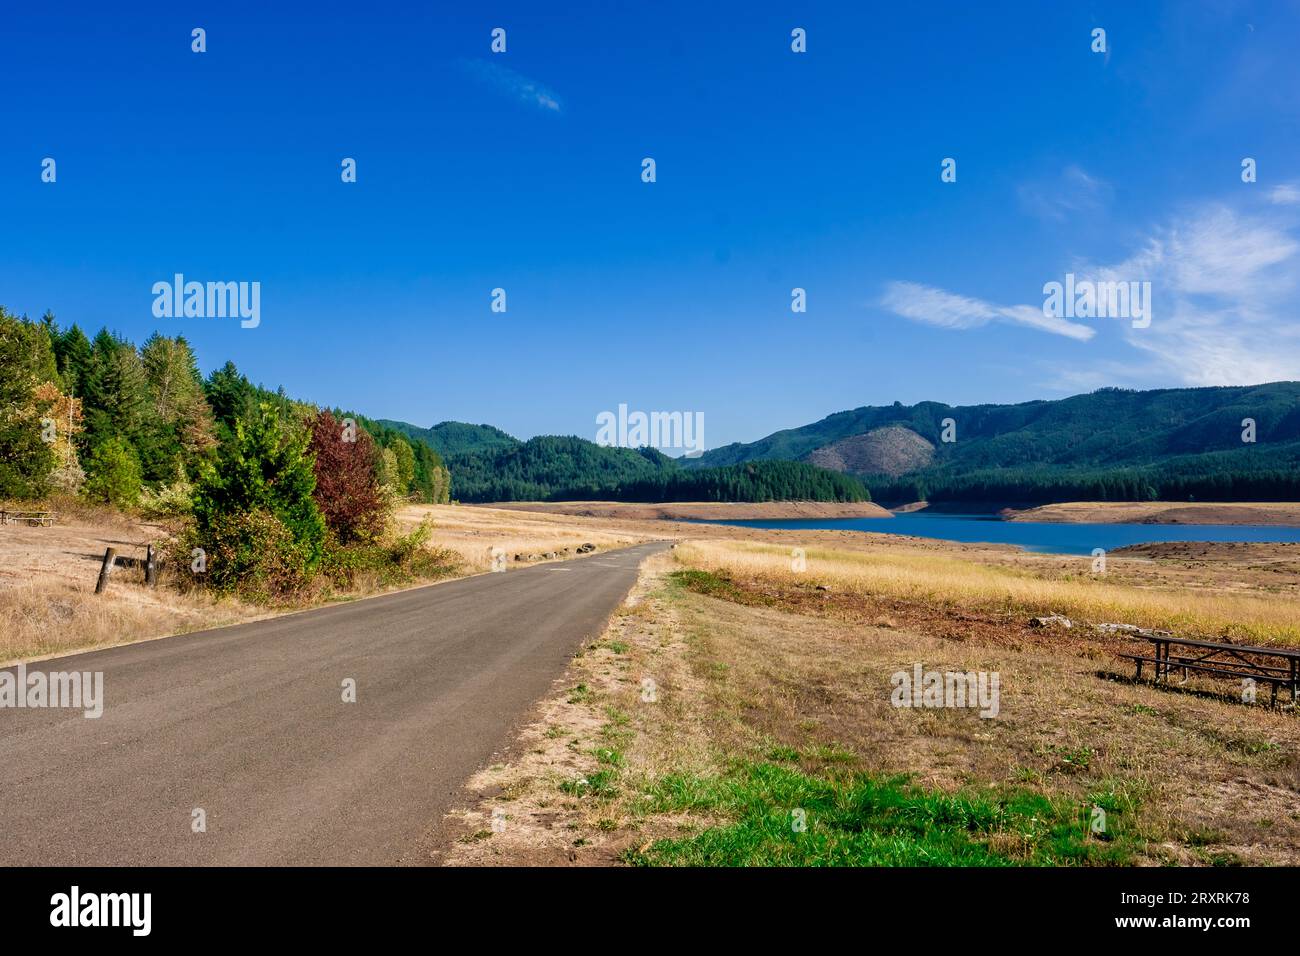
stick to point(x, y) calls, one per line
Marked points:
point(116, 397)
point(181, 430)
point(229, 394)
point(72, 349)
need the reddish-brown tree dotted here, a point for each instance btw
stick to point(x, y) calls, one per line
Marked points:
point(347, 488)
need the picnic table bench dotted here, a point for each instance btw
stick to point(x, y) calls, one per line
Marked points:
point(1277, 666)
point(42, 518)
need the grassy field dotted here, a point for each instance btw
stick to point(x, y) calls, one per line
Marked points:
point(1025, 589)
point(770, 737)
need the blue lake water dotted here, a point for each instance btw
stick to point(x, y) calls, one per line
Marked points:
point(1033, 535)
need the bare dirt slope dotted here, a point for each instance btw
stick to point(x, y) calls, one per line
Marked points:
point(890, 451)
point(1163, 512)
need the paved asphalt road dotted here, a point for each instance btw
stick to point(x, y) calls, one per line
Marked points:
point(248, 723)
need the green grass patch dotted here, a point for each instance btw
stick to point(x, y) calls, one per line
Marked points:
point(710, 583)
point(598, 784)
point(619, 718)
point(783, 754)
point(780, 816)
point(1069, 759)
point(581, 694)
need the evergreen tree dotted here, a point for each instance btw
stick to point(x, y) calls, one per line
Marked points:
point(116, 401)
point(229, 394)
point(180, 430)
point(73, 351)
point(265, 469)
point(113, 473)
point(26, 362)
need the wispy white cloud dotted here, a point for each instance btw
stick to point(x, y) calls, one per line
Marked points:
point(1225, 304)
point(931, 306)
point(513, 84)
point(1224, 286)
point(1074, 191)
point(1286, 194)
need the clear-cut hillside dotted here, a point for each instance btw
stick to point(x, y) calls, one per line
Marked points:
point(892, 451)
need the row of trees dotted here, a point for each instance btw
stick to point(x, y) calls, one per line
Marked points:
point(553, 468)
point(264, 493)
point(127, 426)
point(752, 481)
point(1203, 478)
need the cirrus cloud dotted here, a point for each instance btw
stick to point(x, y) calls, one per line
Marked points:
point(931, 306)
point(512, 84)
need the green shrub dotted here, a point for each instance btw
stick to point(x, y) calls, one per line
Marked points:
point(263, 473)
point(402, 560)
point(113, 473)
point(168, 501)
point(252, 554)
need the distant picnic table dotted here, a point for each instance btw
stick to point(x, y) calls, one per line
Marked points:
point(42, 518)
point(1277, 666)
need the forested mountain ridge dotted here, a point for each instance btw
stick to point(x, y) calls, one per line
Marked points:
point(489, 465)
point(1109, 444)
point(1108, 426)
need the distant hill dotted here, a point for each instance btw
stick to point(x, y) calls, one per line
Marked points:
point(455, 438)
point(549, 467)
point(489, 465)
point(1110, 444)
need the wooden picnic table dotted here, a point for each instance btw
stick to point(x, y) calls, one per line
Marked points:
point(1222, 660)
point(43, 518)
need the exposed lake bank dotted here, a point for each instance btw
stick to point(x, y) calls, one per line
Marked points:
point(1284, 513)
point(702, 510)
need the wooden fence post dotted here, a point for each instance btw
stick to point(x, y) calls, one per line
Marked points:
point(109, 555)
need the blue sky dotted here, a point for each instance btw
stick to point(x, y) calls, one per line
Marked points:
point(522, 171)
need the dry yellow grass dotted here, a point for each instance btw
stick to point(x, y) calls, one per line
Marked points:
point(473, 532)
point(47, 582)
point(936, 578)
point(43, 617)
